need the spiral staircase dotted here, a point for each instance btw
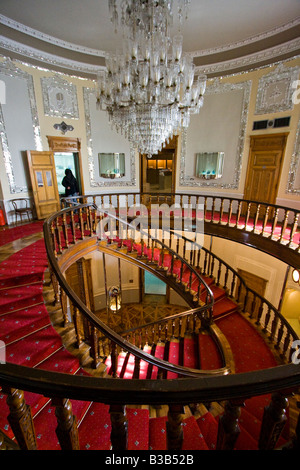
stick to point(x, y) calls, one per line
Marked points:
point(215, 376)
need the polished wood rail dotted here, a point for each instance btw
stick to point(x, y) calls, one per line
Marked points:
point(270, 228)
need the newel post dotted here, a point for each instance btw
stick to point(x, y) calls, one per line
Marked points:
point(229, 430)
point(274, 420)
point(20, 419)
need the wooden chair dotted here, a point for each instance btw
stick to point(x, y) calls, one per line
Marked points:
point(22, 207)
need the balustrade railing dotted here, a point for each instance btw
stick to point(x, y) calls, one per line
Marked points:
point(269, 227)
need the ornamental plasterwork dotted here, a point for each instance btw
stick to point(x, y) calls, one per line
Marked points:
point(8, 68)
point(87, 92)
point(294, 166)
point(59, 97)
point(275, 90)
point(218, 88)
point(46, 58)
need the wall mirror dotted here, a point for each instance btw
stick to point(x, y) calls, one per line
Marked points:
point(209, 165)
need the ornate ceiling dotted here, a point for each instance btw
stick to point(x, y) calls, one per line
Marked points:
point(223, 36)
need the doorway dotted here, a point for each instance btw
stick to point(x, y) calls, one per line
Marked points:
point(159, 172)
point(258, 284)
point(65, 160)
point(67, 154)
point(154, 289)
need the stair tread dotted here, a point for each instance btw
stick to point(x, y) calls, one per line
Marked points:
point(34, 348)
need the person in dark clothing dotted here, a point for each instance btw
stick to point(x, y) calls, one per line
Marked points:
point(70, 183)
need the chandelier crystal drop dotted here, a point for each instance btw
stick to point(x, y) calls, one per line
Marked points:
point(149, 89)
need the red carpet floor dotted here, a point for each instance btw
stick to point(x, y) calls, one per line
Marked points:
point(8, 235)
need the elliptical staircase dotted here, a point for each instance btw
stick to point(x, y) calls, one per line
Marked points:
point(185, 345)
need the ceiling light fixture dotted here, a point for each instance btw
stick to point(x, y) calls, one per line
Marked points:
point(149, 89)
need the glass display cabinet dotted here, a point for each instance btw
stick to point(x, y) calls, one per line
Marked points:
point(111, 165)
point(209, 165)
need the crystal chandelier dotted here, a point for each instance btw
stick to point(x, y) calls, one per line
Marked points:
point(149, 90)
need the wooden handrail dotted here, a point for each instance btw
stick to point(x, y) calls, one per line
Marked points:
point(148, 391)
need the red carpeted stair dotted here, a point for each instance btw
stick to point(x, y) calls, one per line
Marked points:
point(32, 341)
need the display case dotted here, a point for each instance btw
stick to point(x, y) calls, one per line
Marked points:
point(111, 165)
point(209, 165)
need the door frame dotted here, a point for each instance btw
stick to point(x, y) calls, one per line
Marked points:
point(67, 144)
point(265, 142)
point(173, 145)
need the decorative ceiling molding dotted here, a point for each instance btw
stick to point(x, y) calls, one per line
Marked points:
point(248, 41)
point(100, 53)
point(46, 58)
point(251, 59)
point(50, 39)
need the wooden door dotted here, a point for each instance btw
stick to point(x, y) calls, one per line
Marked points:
point(44, 183)
point(264, 167)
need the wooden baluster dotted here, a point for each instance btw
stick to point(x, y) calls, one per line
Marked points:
point(55, 285)
point(77, 319)
point(230, 212)
point(274, 420)
point(275, 222)
point(53, 239)
point(260, 312)
point(73, 228)
point(64, 306)
point(65, 230)
point(226, 278)
point(57, 235)
point(119, 427)
point(273, 328)
point(294, 228)
point(66, 431)
point(174, 427)
point(20, 418)
point(81, 224)
point(114, 356)
point(248, 214)
point(265, 219)
point(221, 210)
point(205, 263)
point(94, 334)
point(136, 370)
point(286, 343)
point(238, 214)
point(253, 304)
point(283, 228)
point(279, 336)
point(229, 429)
point(256, 217)
point(213, 209)
point(219, 273)
point(267, 319)
point(233, 285)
